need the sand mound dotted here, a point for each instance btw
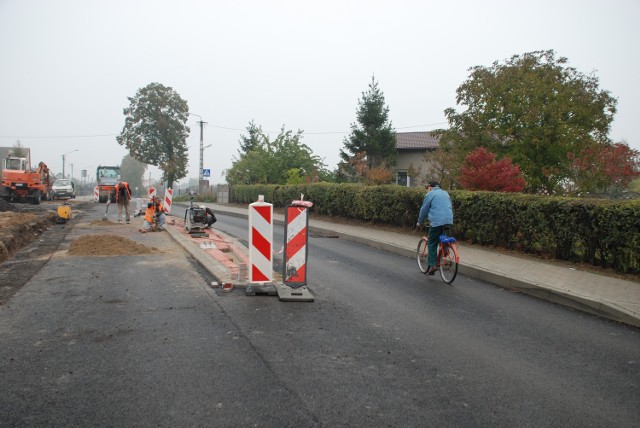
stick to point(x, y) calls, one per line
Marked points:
point(107, 245)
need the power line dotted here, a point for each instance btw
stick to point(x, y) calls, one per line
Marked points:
point(44, 137)
point(420, 126)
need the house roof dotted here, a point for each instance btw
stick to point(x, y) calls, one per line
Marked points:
point(416, 140)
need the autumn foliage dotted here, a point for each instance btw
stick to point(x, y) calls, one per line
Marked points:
point(375, 175)
point(481, 171)
point(604, 166)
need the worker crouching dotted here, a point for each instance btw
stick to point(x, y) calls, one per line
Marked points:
point(154, 216)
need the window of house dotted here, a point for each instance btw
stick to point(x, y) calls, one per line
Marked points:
point(402, 179)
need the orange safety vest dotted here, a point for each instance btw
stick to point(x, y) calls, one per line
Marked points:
point(151, 212)
point(126, 186)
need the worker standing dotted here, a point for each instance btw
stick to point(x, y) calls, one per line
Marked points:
point(123, 196)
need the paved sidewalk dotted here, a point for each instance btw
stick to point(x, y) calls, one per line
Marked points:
point(601, 295)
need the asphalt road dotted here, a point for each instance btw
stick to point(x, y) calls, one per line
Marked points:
point(144, 341)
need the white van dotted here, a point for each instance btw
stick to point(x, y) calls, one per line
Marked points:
point(64, 188)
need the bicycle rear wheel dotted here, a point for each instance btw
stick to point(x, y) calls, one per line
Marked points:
point(448, 264)
point(422, 255)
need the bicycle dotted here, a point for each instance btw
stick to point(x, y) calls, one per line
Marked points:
point(448, 257)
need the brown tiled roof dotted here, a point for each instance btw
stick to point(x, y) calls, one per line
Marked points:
point(416, 140)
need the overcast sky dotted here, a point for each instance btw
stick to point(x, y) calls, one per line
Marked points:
point(67, 67)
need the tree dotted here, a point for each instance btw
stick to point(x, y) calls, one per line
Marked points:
point(132, 171)
point(252, 141)
point(269, 162)
point(155, 130)
point(534, 109)
point(603, 167)
point(481, 171)
point(372, 136)
point(294, 176)
point(19, 150)
point(443, 166)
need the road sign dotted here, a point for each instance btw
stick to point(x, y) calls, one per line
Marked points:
point(206, 172)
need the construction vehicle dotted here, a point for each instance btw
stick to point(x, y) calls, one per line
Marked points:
point(107, 178)
point(20, 183)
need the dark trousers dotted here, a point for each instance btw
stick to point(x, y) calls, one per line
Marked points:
point(434, 240)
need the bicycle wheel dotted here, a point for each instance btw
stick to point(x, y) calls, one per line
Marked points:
point(422, 255)
point(448, 264)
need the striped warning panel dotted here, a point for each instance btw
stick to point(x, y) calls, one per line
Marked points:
point(168, 198)
point(296, 238)
point(260, 242)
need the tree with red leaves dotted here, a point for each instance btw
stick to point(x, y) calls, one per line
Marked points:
point(481, 171)
point(603, 167)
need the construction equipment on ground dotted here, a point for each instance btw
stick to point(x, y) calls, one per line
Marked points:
point(107, 177)
point(64, 213)
point(20, 183)
point(195, 219)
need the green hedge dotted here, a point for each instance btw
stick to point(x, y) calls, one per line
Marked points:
point(600, 232)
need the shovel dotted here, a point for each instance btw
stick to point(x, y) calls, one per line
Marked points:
point(104, 217)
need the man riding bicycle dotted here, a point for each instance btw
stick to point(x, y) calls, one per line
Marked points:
point(437, 207)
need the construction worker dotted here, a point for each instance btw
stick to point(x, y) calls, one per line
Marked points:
point(211, 217)
point(155, 210)
point(123, 196)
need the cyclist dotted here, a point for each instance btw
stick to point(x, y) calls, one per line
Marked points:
point(437, 207)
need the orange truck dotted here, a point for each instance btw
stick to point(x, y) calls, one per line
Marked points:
point(20, 183)
point(107, 178)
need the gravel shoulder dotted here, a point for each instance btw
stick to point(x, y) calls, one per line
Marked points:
point(29, 234)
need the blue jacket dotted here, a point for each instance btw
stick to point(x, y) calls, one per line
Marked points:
point(437, 205)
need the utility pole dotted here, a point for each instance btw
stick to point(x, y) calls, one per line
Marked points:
point(63, 155)
point(202, 123)
point(201, 155)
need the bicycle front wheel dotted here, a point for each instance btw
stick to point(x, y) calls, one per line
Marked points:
point(422, 255)
point(448, 264)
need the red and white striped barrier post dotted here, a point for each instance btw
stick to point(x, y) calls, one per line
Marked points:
point(168, 197)
point(296, 237)
point(260, 241)
point(151, 192)
point(96, 194)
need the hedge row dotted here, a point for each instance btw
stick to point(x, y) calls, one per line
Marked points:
point(599, 232)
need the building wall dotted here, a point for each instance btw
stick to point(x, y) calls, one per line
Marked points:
point(407, 158)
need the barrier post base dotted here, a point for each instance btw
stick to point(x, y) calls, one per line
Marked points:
point(288, 294)
point(267, 289)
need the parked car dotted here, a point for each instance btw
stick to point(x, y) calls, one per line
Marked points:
point(64, 188)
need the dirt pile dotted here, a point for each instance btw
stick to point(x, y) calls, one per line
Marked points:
point(108, 245)
point(6, 206)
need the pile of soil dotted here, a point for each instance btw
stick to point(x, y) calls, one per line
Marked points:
point(6, 206)
point(108, 245)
